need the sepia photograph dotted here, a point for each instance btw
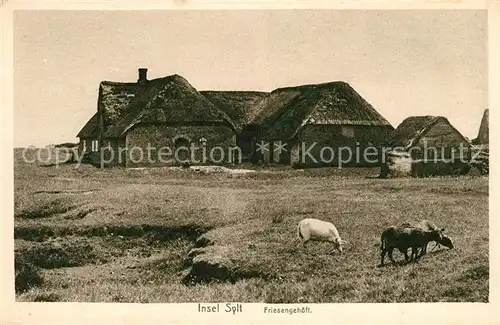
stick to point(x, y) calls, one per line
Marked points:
point(225, 157)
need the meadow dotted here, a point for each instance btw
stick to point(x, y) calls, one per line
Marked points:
point(163, 235)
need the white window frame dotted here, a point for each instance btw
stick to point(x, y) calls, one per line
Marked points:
point(95, 145)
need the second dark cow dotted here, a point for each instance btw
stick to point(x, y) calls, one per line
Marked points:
point(403, 238)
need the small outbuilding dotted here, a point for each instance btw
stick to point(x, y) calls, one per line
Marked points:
point(426, 146)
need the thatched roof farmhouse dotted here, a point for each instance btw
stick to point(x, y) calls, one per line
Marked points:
point(171, 112)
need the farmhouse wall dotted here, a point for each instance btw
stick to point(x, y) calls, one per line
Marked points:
point(89, 157)
point(359, 138)
point(113, 152)
point(219, 141)
point(84, 143)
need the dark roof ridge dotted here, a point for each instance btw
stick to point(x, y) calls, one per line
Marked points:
point(123, 83)
point(318, 85)
point(235, 91)
point(177, 76)
point(118, 83)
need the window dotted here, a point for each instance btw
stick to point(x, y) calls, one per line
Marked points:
point(84, 145)
point(95, 145)
point(348, 131)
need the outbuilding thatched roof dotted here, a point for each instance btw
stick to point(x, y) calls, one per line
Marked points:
point(170, 99)
point(240, 106)
point(286, 110)
point(412, 128)
point(483, 134)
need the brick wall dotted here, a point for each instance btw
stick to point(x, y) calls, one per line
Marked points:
point(327, 139)
point(164, 140)
point(113, 152)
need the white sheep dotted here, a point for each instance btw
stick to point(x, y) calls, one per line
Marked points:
point(314, 229)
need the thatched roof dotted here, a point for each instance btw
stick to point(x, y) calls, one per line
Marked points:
point(286, 110)
point(112, 101)
point(483, 134)
point(170, 99)
point(240, 106)
point(281, 113)
point(89, 130)
point(412, 128)
point(114, 98)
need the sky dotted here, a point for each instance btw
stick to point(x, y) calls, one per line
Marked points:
point(404, 63)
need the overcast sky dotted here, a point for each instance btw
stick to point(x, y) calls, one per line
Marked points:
point(405, 63)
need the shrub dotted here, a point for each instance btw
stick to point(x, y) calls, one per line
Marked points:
point(66, 145)
point(46, 209)
point(27, 275)
point(67, 254)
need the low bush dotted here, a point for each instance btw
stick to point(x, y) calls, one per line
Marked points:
point(27, 275)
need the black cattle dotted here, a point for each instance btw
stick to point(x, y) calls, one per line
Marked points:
point(403, 238)
point(429, 226)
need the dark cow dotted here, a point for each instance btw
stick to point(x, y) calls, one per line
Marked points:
point(429, 226)
point(403, 238)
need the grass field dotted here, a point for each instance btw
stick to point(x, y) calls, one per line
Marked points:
point(120, 235)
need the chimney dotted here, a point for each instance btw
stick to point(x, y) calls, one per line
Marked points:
point(143, 75)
